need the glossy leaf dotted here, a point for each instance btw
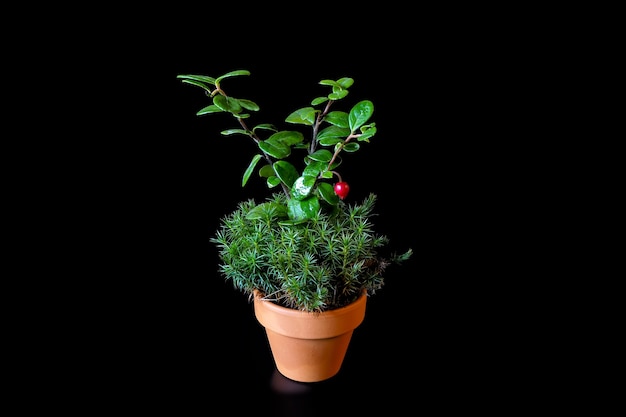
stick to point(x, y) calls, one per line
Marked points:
point(331, 141)
point(302, 187)
point(338, 95)
point(327, 192)
point(303, 209)
point(200, 78)
point(304, 116)
point(322, 155)
point(345, 82)
point(228, 104)
point(229, 132)
point(319, 100)
point(332, 132)
point(360, 114)
point(269, 209)
point(286, 172)
point(368, 133)
point(198, 84)
point(264, 126)
point(232, 74)
point(273, 181)
point(250, 169)
point(351, 147)
point(266, 171)
point(248, 104)
point(287, 137)
point(314, 168)
point(338, 118)
point(328, 82)
point(275, 148)
point(209, 109)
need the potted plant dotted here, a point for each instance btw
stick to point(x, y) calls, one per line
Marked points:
point(304, 252)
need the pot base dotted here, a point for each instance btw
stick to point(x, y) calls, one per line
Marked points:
point(309, 347)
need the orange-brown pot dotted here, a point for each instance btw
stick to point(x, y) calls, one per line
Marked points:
point(308, 347)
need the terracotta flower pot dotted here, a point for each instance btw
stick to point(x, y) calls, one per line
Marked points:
point(308, 347)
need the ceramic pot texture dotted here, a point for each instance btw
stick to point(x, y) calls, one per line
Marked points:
point(308, 347)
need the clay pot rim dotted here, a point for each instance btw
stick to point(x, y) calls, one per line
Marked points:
point(270, 305)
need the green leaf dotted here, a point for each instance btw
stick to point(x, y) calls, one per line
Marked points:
point(338, 95)
point(198, 84)
point(256, 213)
point(351, 147)
point(345, 82)
point(201, 78)
point(342, 83)
point(266, 171)
point(302, 187)
point(275, 148)
point(266, 210)
point(338, 118)
point(367, 133)
point(330, 141)
point(299, 210)
point(273, 181)
point(332, 83)
point(322, 155)
point(360, 113)
point(328, 193)
point(286, 172)
point(319, 100)
point(304, 116)
point(265, 126)
point(248, 105)
point(229, 132)
point(250, 169)
point(228, 104)
point(209, 109)
point(333, 132)
point(287, 137)
point(314, 168)
point(232, 74)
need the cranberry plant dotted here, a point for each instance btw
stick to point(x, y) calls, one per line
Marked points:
point(304, 247)
point(316, 182)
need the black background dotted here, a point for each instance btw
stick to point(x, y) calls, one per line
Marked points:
point(170, 334)
point(428, 333)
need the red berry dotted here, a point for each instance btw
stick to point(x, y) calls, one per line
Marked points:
point(341, 189)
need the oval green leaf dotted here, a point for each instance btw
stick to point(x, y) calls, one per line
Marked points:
point(302, 187)
point(209, 109)
point(266, 171)
point(286, 172)
point(338, 118)
point(314, 168)
point(333, 132)
point(360, 113)
point(304, 116)
point(275, 148)
point(287, 137)
point(299, 210)
point(321, 155)
point(328, 193)
point(228, 104)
